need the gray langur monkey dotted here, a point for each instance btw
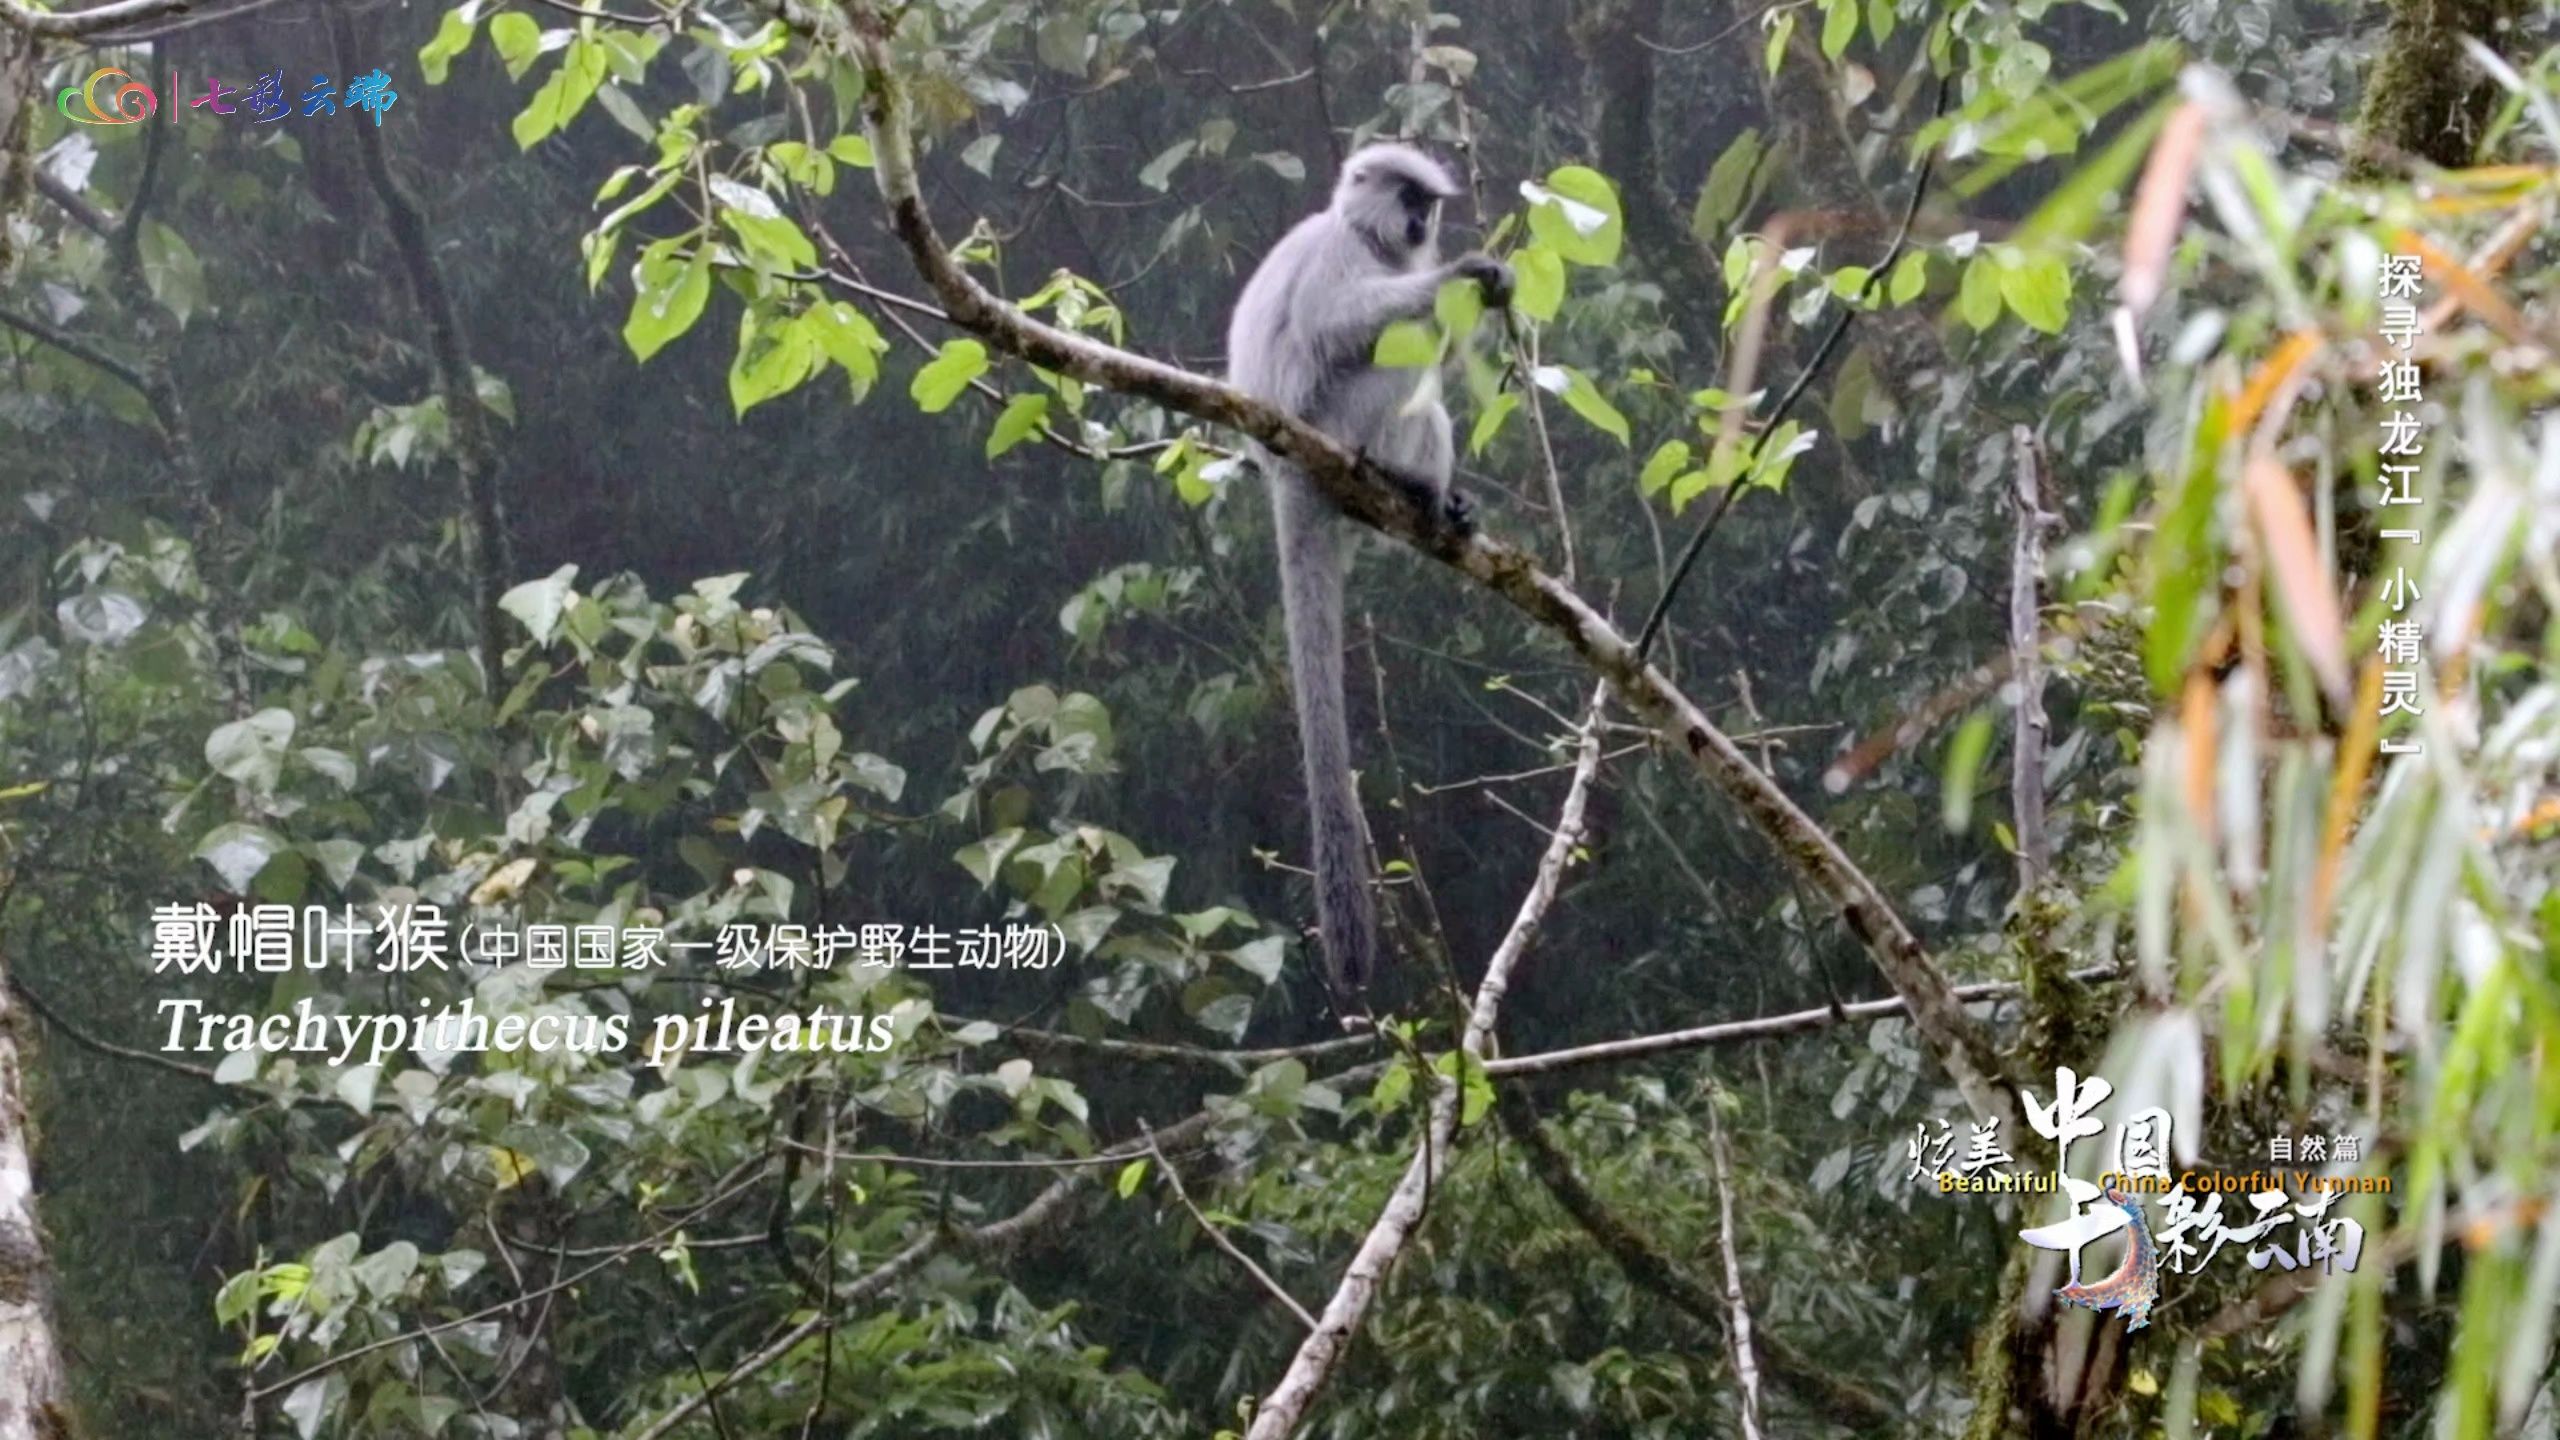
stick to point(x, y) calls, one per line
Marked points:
point(1302, 339)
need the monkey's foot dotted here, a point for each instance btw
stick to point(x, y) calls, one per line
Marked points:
point(1459, 511)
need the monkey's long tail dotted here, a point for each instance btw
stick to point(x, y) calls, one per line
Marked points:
point(1311, 572)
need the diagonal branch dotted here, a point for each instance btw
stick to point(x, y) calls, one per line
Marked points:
point(1280, 1412)
point(1219, 1238)
point(1361, 491)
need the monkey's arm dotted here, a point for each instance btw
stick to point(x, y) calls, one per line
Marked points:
point(1345, 318)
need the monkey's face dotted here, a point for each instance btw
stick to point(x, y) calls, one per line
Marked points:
point(1395, 193)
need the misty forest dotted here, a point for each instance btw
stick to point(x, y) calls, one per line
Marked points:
point(653, 782)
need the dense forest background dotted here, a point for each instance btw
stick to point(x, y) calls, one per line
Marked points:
point(680, 465)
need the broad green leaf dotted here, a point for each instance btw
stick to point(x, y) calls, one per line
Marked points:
point(540, 603)
point(1538, 276)
point(453, 36)
point(1839, 27)
point(1583, 398)
point(1910, 277)
point(1775, 53)
point(1022, 417)
point(773, 238)
point(1978, 296)
point(1132, 1175)
point(519, 41)
point(1576, 214)
point(251, 750)
point(943, 381)
point(238, 851)
point(1407, 344)
point(1489, 424)
point(1668, 459)
point(2039, 290)
point(669, 296)
point(847, 337)
point(854, 150)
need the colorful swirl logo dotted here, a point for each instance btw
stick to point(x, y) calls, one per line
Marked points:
point(135, 102)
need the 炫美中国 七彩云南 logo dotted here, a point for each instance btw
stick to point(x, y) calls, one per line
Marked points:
point(265, 101)
point(2132, 1286)
point(2169, 1221)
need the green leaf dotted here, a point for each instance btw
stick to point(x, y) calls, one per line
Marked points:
point(519, 41)
point(949, 374)
point(540, 603)
point(670, 295)
point(1576, 214)
point(1489, 424)
point(1538, 282)
point(2039, 290)
point(1023, 415)
point(846, 336)
point(1775, 53)
point(1131, 1176)
point(1158, 175)
point(775, 238)
point(453, 36)
point(769, 365)
point(1728, 189)
point(564, 94)
point(1668, 459)
point(171, 269)
point(1978, 296)
point(854, 150)
point(238, 851)
point(1839, 27)
point(1910, 277)
point(1407, 344)
point(1583, 398)
point(251, 751)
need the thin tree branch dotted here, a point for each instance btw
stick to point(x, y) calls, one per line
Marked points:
point(2026, 667)
point(1190, 1057)
point(1281, 1411)
point(79, 24)
point(1770, 1027)
point(55, 1018)
point(1647, 1264)
point(1371, 497)
point(475, 452)
point(1219, 1238)
point(994, 1238)
point(1746, 1368)
point(1804, 377)
point(79, 350)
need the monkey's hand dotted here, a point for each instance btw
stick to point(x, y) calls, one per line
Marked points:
point(1491, 276)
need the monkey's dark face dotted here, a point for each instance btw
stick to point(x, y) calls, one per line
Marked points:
point(1394, 192)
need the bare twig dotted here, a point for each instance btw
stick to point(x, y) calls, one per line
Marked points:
point(994, 1238)
point(1219, 1238)
point(1280, 1412)
point(1645, 1262)
point(1746, 1368)
point(1768, 1027)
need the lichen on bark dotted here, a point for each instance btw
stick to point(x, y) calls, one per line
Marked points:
point(2424, 97)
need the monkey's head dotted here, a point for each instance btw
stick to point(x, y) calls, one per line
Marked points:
point(1392, 194)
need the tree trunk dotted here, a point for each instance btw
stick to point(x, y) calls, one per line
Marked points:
point(33, 1394)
